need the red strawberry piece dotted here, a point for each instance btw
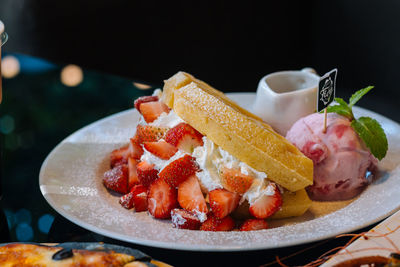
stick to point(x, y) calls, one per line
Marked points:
point(161, 149)
point(179, 170)
point(147, 133)
point(184, 137)
point(254, 224)
point(146, 173)
point(135, 149)
point(133, 177)
point(126, 201)
point(139, 193)
point(144, 99)
point(119, 156)
point(184, 219)
point(214, 223)
point(161, 199)
point(235, 181)
point(266, 205)
point(116, 179)
point(190, 196)
point(223, 202)
point(152, 110)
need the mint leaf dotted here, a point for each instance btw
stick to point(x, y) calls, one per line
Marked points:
point(371, 132)
point(341, 109)
point(341, 102)
point(357, 95)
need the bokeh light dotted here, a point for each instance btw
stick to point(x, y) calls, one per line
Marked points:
point(142, 86)
point(45, 222)
point(23, 215)
point(24, 232)
point(71, 75)
point(10, 67)
point(7, 124)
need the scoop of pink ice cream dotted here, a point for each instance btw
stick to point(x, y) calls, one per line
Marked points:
point(342, 164)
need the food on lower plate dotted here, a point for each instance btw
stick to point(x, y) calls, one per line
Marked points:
point(74, 254)
point(343, 163)
point(202, 161)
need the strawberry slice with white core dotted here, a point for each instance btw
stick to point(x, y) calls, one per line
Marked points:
point(139, 198)
point(161, 149)
point(146, 173)
point(119, 156)
point(116, 179)
point(184, 137)
point(145, 99)
point(184, 219)
point(133, 178)
point(148, 133)
point(161, 199)
point(152, 110)
point(126, 201)
point(179, 170)
point(235, 181)
point(214, 223)
point(190, 196)
point(223, 202)
point(254, 224)
point(135, 149)
point(268, 203)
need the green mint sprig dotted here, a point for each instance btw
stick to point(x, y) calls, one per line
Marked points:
point(369, 130)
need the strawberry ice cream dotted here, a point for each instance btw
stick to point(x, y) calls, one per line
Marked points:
point(343, 166)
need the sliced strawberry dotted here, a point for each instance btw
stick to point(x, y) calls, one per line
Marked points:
point(144, 99)
point(133, 177)
point(190, 196)
point(161, 199)
point(254, 224)
point(184, 219)
point(223, 202)
point(266, 205)
point(161, 149)
point(235, 181)
point(126, 201)
point(119, 156)
point(184, 137)
point(146, 173)
point(179, 170)
point(152, 110)
point(213, 223)
point(147, 133)
point(135, 149)
point(139, 193)
point(116, 179)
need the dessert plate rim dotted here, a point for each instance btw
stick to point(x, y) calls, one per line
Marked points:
point(70, 181)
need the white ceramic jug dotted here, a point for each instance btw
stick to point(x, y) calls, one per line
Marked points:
point(285, 96)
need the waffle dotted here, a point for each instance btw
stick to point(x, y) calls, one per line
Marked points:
point(237, 131)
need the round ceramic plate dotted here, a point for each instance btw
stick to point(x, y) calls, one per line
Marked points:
point(71, 182)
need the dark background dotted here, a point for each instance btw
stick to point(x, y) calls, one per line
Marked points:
point(229, 44)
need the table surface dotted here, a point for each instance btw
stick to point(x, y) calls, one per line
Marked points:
point(38, 112)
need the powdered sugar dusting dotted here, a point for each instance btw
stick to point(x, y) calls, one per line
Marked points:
point(177, 219)
point(80, 161)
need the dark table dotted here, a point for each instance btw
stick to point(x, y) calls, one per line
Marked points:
point(39, 111)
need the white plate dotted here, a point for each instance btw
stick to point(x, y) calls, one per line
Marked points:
point(71, 182)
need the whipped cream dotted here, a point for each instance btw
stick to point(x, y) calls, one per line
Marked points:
point(160, 164)
point(211, 158)
point(167, 120)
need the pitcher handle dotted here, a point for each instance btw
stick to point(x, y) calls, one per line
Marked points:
point(309, 70)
